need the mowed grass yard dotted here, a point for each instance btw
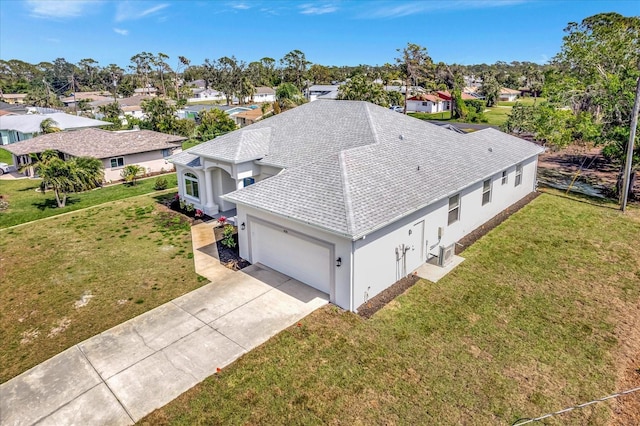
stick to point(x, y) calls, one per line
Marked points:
point(67, 278)
point(27, 204)
point(495, 116)
point(543, 314)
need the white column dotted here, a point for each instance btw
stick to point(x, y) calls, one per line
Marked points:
point(207, 192)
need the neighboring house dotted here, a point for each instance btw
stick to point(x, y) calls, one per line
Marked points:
point(145, 91)
point(130, 106)
point(425, 103)
point(15, 128)
point(349, 197)
point(145, 148)
point(263, 94)
point(201, 94)
point(321, 91)
point(198, 83)
point(402, 89)
point(251, 116)
point(508, 95)
point(13, 98)
point(446, 97)
point(70, 101)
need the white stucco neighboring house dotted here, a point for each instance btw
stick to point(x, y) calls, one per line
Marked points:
point(349, 197)
point(508, 95)
point(425, 103)
point(145, 148)
point(263, 94)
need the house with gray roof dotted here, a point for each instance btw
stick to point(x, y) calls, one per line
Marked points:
point(144, 148)
point(14, 128)
point(349, 197)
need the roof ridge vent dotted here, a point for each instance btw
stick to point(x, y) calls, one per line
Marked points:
point(401, 137)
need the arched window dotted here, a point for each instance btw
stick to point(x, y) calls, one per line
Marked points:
point(191, 185)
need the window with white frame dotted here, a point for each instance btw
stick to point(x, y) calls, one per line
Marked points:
point(166, 152)
point(116, 162)
point(191, 185)
point(518, 174)
point(454, 209)
point(504, 177)
point(486, 192)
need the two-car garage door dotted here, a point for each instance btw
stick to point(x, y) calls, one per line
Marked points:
point(301, 257)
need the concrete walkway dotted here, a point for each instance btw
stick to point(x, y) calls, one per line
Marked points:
point(122, 374)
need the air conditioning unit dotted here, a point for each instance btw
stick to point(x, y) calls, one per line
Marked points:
point(446, 254)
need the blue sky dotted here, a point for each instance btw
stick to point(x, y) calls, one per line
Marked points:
point(338, 32)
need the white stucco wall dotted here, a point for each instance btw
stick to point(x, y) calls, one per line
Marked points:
point(152, 161)
point(375, 264)
point(417, 106)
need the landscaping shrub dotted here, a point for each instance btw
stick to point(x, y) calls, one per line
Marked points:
point(227, 236)
point(161, 183)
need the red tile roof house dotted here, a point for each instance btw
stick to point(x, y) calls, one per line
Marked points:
point(446, 98)
point(145, 148)
point(425, 103)
point(349, 197)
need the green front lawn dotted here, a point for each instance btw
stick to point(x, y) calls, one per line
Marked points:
point(445, 115)
point(496, 116)
point(5, 156)
point(26, 204)
point(528, 101)
point(68, 278)
point(531, 322)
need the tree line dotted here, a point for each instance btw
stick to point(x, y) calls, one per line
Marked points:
point(46, 81)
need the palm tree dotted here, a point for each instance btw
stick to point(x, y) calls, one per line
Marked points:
point(64, 177)
point(131, 172)
point(48, 125)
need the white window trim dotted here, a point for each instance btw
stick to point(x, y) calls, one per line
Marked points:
point(116, 158)
point(195, 179)
point(457, 207)
point(505, 177)
point(518, 180)
point(486, 191)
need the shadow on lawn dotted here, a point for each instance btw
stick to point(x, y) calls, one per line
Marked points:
point(29, 188)
point(605, 203)
point(50, 203)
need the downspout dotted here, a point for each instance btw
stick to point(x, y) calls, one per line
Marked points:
point(535, 175)
point(353, 269)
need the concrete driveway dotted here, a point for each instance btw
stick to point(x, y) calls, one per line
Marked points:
point(124, 373)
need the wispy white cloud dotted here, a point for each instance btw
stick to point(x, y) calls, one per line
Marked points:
point(395, 10)
point(52, 40)
point(121, 31)
point(240, 6)
point(56, 9)
point(129, 11)
point(312, 9)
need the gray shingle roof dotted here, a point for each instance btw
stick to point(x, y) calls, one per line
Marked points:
point(186, 158)
point(30, 123)
point(353, 167)
point(97, 143)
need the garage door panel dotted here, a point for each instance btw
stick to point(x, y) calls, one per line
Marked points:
point(301, 258)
